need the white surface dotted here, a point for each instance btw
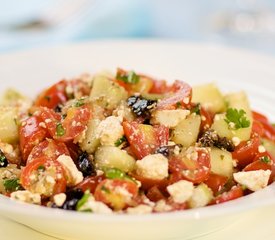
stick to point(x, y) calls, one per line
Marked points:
point(231, 69)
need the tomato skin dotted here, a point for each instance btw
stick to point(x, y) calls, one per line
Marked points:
point(107, 192)
point(31, 134)
point(257, 127)
point(206, 120)
point(74, 123)
point(159, 87)
point(145, 139)
point(245, 152)
point(195, 171)
point(234, 193)
point(181, 93)
point(216, 182)
point(147, 183)
point(154, 194)
point(48, 148)
point(90, 183)
point(268, 130)
point(53, 96)
point(60, 181)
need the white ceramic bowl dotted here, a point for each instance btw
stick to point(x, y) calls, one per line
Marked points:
point(231, 69)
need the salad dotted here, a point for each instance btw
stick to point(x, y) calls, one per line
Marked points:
point(129, 143)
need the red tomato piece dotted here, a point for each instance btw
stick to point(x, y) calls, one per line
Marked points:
point(116, 193)
point(53, 96)
point(245, 152)
point(90, 183)
point(79, 88)
point(154, 194)
point(37, 174)
point(192, 169)
point(48, 148)
point(181, 93)
point(234, 193)
point(145, 139)
point(259, 117)
point(31, 133)
point(72, 126)
point(159, 87)
point(147, 183)
point(257, 127)
point(216, 182)
point(206, 119)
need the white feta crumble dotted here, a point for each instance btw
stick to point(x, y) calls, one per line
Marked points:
point(169, 118)
point(181, 191)
point(109, 130)
point(59, 199)
point(26, 196)
point(261, 149)
point(253, 180)
point(162, 206)
point(73, 175)
point(140, 209)
point(153, 166)
point(95, 206)
point(236, 141)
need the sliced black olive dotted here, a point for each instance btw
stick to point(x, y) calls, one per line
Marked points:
point(211, 139)
point(85, 165)
point(141, 106)
point(3, 160)
point(167, 150)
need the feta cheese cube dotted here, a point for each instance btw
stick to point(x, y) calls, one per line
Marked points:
point(181, 191)
point(140, 209)
point(73, 175)
point(26, 196)
point(169, 118)
point(154, 166)
point(253, 180)
point(109, 130)
point(95, 206)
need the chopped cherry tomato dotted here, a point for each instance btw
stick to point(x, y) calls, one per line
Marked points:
point(159, 87)
point(154, 194)
point(116, 193)
point(145, 139)
point(177, 206)
point(181, 94)
point(147, 183)
point(216, 182)
point(72, 126)
point(90, 183)
point(195, 169)
point(79, 88)
point(206, 119)
point(53, 96)
point(31, 133)
point(44, 176)
point(261, 161)
point(268, 129)
point(257, 127)
point(48, 148)
point(234, 193)
point(245, 152)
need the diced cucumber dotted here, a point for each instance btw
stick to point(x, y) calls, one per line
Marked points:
point(187, 131)
point(202, 195)
point(223, 130)
point(221, 162)
point(113, 157)
point(269, 146)
point(210, 97)
point(107, 93)
point(8, 124)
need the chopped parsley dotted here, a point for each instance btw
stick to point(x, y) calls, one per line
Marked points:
point(106, 190)
point(60, 131)
point(3, 160)
point(196, 109)
point(83, 200)
point(41, 168)
point(265, 159)
point(114, 173)
point(48, 98)
point(120, 141)
point(80, 102)
point(178, 105)
point(12, 185)
point(130, 77)
point(237, 118)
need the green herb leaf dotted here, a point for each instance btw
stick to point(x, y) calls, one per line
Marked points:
point(131, 77)
point(12, 185)
point(237, 118)
point(115, 173)
point(60, 131)
point(3, 160)
point(83, 200)
point(41, 168)
point(196, 109)
point(48, 98)
point(120, 141)
point(106, 190)
point(178, 105)
point(265, 159)
point(80, 102)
